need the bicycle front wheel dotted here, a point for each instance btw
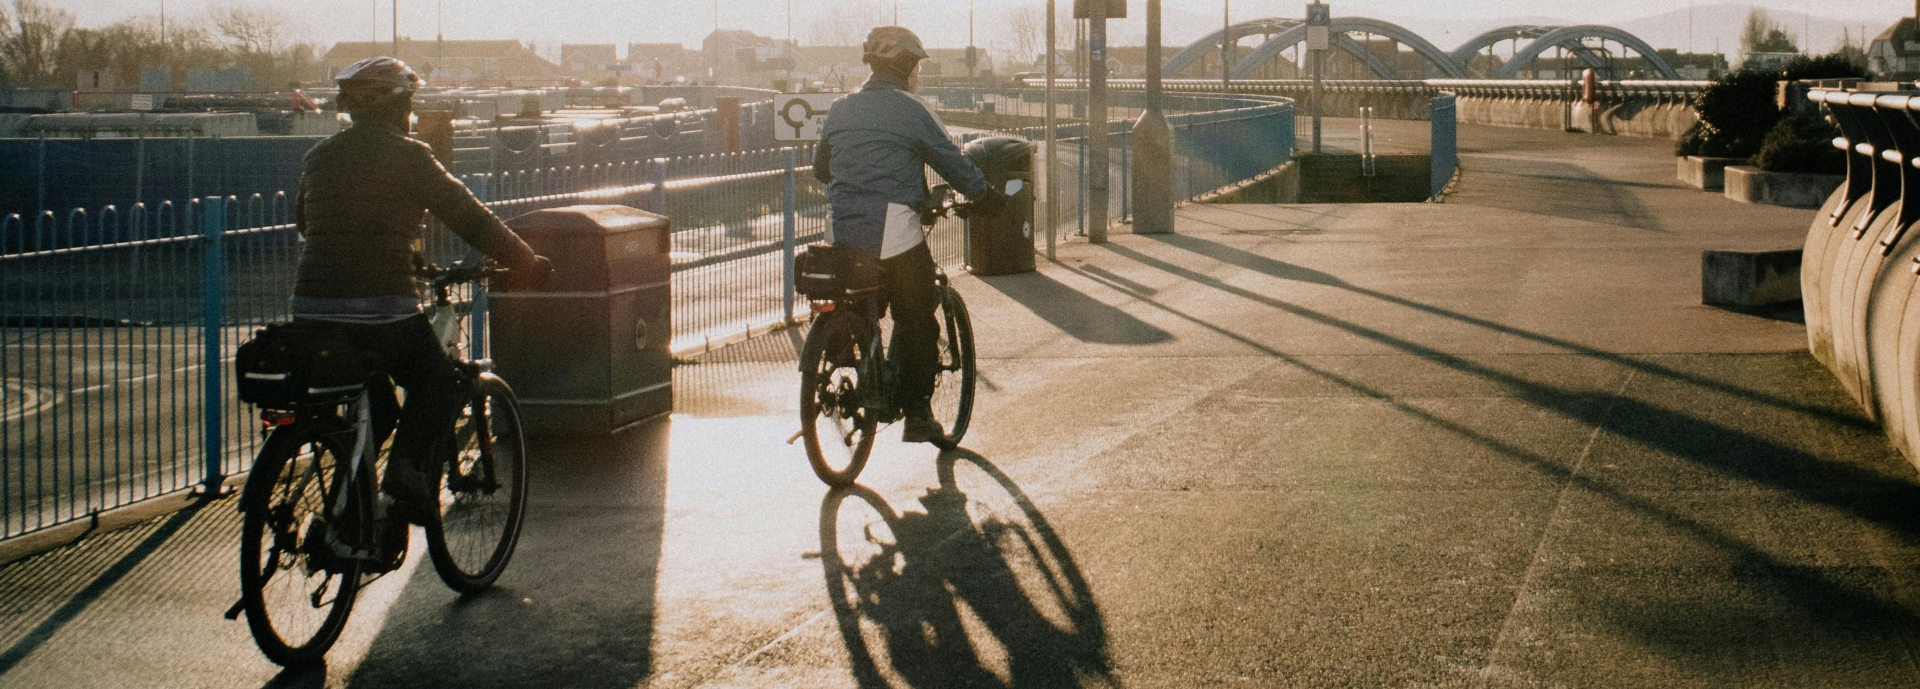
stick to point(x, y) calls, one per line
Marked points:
point(837, 426)
point(482, 489)
point(953, 385)
point(297, 586)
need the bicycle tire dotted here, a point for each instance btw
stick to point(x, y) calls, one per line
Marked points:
point(483, 491)
point(298, 472)
point(953, 386)
point(831, 388)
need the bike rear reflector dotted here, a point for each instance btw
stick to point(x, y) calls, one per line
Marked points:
point(274, 419)
point(823, 307)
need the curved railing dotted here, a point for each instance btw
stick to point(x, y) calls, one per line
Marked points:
point(1858, 266)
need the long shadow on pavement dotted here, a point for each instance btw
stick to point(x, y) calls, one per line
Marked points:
point(1822, 597)
point(576, 605)
point(1073, 312)
point(1286, 271)
point(908, 585)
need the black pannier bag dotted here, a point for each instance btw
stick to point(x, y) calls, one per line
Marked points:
point(825, 271)
point(290, 365)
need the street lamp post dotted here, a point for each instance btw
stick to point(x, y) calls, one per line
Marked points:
point(1096, 168)
point(1226, 45)
point(1053, 166)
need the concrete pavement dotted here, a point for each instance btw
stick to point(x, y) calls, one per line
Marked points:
point(1495, 442)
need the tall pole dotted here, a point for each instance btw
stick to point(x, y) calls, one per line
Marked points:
point(1097, 170)
point(1053, 166)
point(970, 51)
point(1152, 173)
point(396, 28)
point(1319, 62)
point(1226, 45)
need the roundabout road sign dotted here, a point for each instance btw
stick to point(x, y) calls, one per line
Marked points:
point(800, 116)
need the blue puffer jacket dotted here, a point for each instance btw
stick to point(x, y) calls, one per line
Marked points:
point(873, 156)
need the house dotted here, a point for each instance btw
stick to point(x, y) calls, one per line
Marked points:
point(447, 63)
point(588, 60)
point(664, 61)
point(951, 63)
point(1895, 53)
point(737, 53)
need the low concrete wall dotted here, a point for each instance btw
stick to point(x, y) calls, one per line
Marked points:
point(1640, 116)
point(1798, 190)
point(1705, 174)
point(1750, 279)
point(1279, 185)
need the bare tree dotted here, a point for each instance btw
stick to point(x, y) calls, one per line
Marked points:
point(847, 23)
point(30, 38)
point(1761, 34)
point(1027, 27)
point(250, 31)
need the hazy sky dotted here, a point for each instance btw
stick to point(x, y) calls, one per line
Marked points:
point(942, 23)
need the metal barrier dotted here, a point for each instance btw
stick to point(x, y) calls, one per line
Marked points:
point(1445, 143)
point(1858, 267)
point(116, 326)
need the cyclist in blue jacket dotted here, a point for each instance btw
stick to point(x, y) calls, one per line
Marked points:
point(873, 155)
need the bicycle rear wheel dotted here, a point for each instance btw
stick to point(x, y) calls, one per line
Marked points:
point(837, 427)
point(296, 589)
point(483, 491)
point(953, 385)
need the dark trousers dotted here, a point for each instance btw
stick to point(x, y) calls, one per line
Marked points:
point(912, 297)
point(410, 354)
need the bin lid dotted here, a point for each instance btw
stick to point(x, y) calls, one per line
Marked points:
point(599, 220)
point(1000, 154)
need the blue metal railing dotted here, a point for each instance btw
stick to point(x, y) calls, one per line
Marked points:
point(116, 325)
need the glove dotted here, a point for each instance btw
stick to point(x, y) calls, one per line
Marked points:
point(530, 276)
point(986, 204)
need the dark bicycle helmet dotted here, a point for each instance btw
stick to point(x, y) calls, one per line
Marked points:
point(891, 44)
point(375, 81)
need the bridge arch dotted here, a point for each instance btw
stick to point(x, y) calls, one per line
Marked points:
point(1571, 37)
point(1283, 34)
point(1190, 55)
point(1297, 34)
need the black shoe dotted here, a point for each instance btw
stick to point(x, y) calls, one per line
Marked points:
point(413, 497)
point(923, 428)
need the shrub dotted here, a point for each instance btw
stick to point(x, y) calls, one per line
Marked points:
point(1829, 66)
point(1800, 143)
point(1736, 112)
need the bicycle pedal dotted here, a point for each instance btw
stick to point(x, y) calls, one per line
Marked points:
point(233, 613)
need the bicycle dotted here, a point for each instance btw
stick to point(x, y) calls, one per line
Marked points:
point(311, 535)
point(846, 378)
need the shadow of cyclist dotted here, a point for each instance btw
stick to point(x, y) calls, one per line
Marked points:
point(575, 606)
point(976, 590)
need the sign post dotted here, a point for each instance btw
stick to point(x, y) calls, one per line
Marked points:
point(1319, 38)
point(800, 116)
point(1097, 170)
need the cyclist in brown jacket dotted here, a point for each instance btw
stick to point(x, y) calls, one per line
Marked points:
point(364, 196)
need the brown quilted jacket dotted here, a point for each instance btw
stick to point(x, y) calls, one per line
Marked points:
point(364, 196)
